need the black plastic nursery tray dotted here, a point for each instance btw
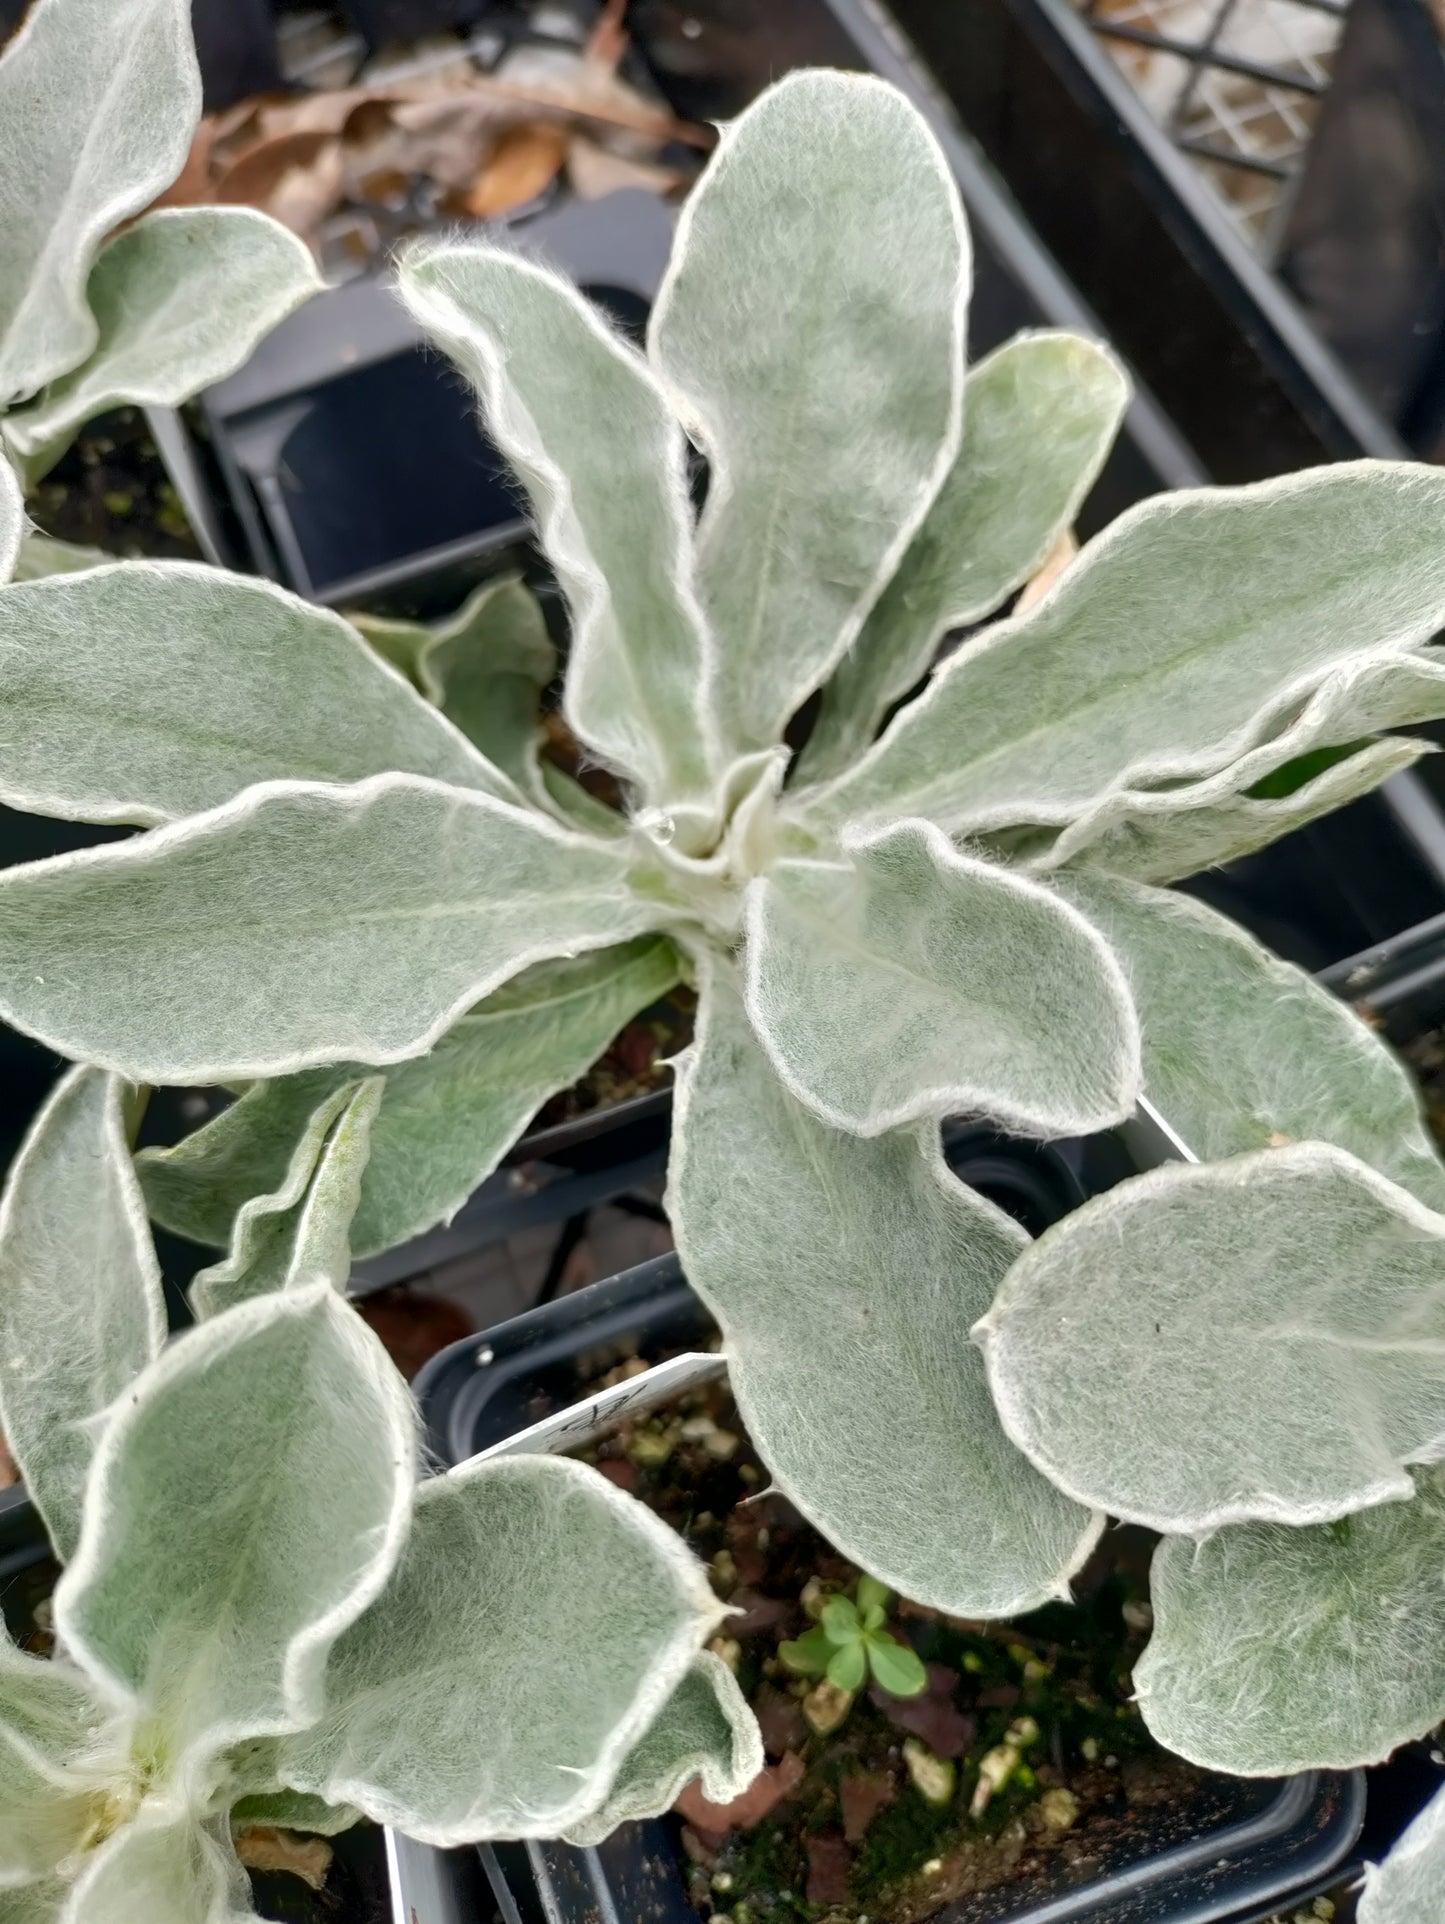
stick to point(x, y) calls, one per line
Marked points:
point(1249, 1846)
point(345, 460)
point(354, 470)
point(1225, 346)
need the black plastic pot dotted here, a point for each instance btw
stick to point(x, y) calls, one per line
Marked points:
point(1361, 245)
point(381, 22)
point(236, 48)
point(353, 469)
point(1278, 1841)
point(419, 1885)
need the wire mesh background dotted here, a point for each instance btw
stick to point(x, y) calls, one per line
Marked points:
point(1237, 84)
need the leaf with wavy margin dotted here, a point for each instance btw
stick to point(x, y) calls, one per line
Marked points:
point(247, 1502)
point(81, 1313)
point(705, 1730)
point(300, 924)
point(300, 1233)
point(1277, 1650)
point(150, 691)
point(818, 364)
point(485, 667)
point(1243, 1051)
point(535, 1626)
point(840, 1260)
point(1259, 1339)
point(578, 415)
point(910, 981)
point(1160, 835)
point(1165, 651)
point(446, 1117)
point(98, 100)
point(1039, 416)
point(181, 299)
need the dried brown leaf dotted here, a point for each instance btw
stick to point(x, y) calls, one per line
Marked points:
point(1055, 562)
point(191, 186)
point(524, 163)
point(262, 1847)
point(255, 178)
point(594, 170)
point(608, 39)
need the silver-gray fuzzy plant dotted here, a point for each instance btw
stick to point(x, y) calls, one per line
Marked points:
point(952, 900)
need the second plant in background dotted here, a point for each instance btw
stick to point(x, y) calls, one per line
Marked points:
point(98, 103)
point(265, 1616)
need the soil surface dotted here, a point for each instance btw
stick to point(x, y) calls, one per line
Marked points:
point(881, 1816)
point(1426, 1057)
point(634, 1064)
point(110, 490)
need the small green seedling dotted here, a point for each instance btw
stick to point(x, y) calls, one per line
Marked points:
point(851, 1641)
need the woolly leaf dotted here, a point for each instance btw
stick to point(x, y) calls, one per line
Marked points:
point(1162, 843)
point(41, 555)
point(161, 1868)
point(33, 1903)
point(1039, 416)
point(50, 1722)
point(912, 981)
point(1277, 1649)
point(180, 299)
point(1207, 1344)
point(246, 1503)
point(98, 99)
point(12, 520)
point(1165, 650)
point(705, 1731)
point(1406, 1888)
point(819, 366)
point(1243, 1051)
point(1161, 834)
point(292, 1810)
point(840, 1261)
point(535, 1626)
point(80, 1291)
point(147, 691)
point(485, 668)
point(299, 924)
point(577, 806)
point(445, 1119)
point(576, 412)
point(299, 1234)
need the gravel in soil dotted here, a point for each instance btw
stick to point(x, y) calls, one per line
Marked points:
point(1021, 1768)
